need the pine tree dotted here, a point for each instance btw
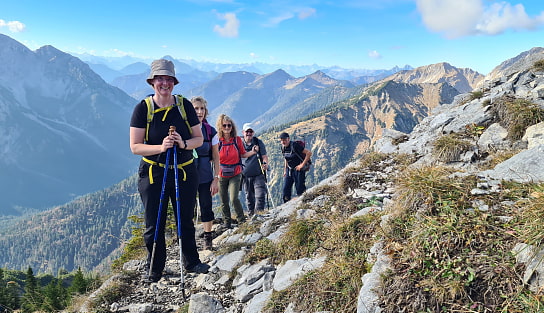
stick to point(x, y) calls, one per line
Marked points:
point(55, 296)
point(32, 299)
point(12, 295)
point(3, 289)
point(79, 284)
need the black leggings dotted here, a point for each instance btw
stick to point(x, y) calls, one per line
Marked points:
point(205, 202)
point(150, 195)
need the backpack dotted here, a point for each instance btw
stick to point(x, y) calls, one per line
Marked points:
point(208, 134)
point(227, 170)
point(301, 156)
point(151, 111)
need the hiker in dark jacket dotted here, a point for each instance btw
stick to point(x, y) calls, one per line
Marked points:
point(254, 173)
point(208, 169)
point(293, 172)
point(152, 140)
point(231, 152)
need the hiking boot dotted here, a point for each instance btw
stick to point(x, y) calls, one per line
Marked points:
point(153, 278)
point(226, 225)
point(208, 244)
point(200, 268)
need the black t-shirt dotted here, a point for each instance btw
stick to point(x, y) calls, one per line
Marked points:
point(158, 129)
point(293, 154)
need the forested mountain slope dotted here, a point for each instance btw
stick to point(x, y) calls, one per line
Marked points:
point(87, 232)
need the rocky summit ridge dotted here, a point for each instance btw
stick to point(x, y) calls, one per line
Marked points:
point(237, 283)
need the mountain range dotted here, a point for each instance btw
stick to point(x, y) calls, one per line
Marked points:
point(65, 129)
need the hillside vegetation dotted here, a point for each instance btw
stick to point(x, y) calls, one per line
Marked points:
point(85, 233)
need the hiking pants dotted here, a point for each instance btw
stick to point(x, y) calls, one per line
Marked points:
point(205, 202)
point(255, 188)
point(150, 195)
point(229, 190)
point(298, 178)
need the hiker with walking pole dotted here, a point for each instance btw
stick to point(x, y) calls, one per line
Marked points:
point(150, 138)
point(254, 172)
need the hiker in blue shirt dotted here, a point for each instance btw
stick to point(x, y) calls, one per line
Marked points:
point(297, 158)
point(208, 155)
point(254, 173)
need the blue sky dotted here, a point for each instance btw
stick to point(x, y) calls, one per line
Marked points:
point(361, 34)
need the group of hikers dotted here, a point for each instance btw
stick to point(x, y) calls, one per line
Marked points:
point(207, 160)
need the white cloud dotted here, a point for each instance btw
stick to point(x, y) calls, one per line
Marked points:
point(253, 55)
point(306, 13)
point(280, 18)
point(458, 18)
point(502, 16)
point(301, 14)
point(13, 26)
point(231, 27)
point(374, 54)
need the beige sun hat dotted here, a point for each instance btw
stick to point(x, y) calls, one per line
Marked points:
point(162, 67)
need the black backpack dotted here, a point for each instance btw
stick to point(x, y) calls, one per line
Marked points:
point(301, 156)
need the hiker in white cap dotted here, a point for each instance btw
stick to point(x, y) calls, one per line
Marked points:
point(254, 173)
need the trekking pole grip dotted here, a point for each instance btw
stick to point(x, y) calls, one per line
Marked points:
point(171, 130)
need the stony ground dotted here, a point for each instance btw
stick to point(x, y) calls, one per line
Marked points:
point(166, 295)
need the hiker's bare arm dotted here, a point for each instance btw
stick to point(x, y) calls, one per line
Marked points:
point(215, 160)
point(251, 153)
point(307, 156)
point(138, 147)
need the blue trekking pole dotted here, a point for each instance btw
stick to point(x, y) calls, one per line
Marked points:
point(178, 211)
point(157, 226)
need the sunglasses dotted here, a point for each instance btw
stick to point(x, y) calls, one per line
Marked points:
point(249, 131)
point(164, 79)
point(227, 125)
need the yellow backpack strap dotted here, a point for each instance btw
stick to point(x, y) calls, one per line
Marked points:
point(181, 108)
point(150, 111)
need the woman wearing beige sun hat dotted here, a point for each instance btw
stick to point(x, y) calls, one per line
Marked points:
point(151, 138)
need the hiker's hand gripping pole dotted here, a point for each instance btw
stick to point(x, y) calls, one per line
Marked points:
point(178, 214)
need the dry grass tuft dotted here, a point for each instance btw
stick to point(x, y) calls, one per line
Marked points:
point(121, 288)
point(477, 94)
point(531, 218)
point(263, 249)
point(302, 239)
point(539, 65)
point(421, 188)
point(516, 115)
point(448, 148)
